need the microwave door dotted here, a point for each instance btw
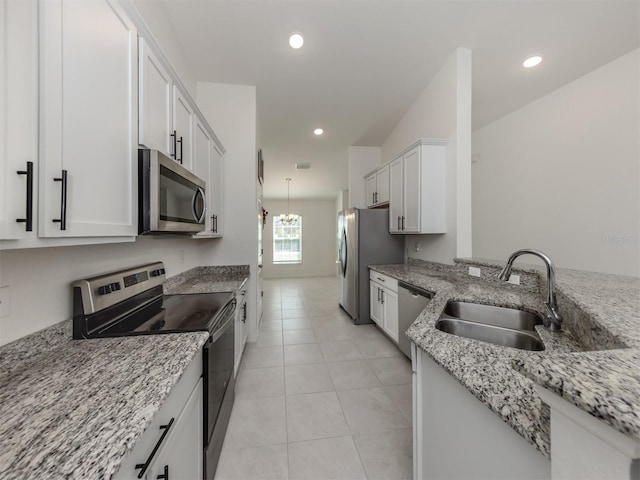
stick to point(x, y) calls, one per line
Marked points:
point(177, 198)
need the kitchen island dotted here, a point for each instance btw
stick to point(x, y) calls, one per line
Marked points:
point(601, 312)
point(76, 408)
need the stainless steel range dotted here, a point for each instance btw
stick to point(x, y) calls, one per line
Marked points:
point(131, 302)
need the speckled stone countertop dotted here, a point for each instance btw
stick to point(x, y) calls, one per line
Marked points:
point(208, 280)
point(75, 408)
point(601, 312)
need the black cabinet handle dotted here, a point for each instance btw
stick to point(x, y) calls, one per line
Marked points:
point(399, 223)
point(382, 296)
point(244, 313)
point(63, 201)
point(214, 223)
point(165, 475)
point(402, 222)
point(175, 146)
point(28, 220)
point(180, 142)
point(144, 466)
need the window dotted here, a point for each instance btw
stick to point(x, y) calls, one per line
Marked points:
point(287, 241)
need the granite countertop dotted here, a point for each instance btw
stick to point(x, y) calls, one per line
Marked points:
point(75, 408)
point(487, 370)
point(208, 280)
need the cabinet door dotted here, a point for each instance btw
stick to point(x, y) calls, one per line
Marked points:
point(202, 163)
point(88, 124)
point(395, 195)
point(155, 103)
point(382, 184)
point(216, 190)
point(390, 308)
point(181, 454)
point(18, 117)
point(370, 189)
point(183, 126)
point(411, 189)
point(375, 305)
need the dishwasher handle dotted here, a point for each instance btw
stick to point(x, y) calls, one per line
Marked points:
point(416, 290)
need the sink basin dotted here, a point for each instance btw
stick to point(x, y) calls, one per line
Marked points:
point(507, 337)
point(496, 316)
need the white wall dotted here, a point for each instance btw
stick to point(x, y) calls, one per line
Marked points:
point(231, 112)
point(40, 278)
point(362, 160)
point(562, 175)
point(319, 241)
point(443, 110)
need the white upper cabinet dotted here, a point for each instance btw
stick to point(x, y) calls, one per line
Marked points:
point(183, 126)
point(377, 187)
point(382, 185)
point(208, 157)
point(167, 118)
point(215, 189)
point(155, 114)
point(417, 189)
point(18, 119)
point(88, 124)
point(396, 180)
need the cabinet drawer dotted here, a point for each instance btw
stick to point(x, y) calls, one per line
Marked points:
point(170, 409)
point(384, 280)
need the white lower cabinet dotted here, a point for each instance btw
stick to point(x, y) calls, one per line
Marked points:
point(173, 441)
point(455, 435)
point(383, 303)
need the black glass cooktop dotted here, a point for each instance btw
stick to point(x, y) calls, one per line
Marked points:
point(174, 313)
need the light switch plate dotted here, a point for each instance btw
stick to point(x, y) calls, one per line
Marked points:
point(514, 279)
point(5, 302)
point(474, 271)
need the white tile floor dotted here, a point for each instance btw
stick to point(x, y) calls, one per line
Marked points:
point(317, 396)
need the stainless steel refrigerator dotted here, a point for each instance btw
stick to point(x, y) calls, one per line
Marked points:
point(363, 240)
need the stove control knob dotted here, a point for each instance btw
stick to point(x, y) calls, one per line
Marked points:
point(157, 273)
point(104, 290)
point(115, 286)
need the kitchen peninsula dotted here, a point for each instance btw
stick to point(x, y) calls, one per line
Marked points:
point(602, 312)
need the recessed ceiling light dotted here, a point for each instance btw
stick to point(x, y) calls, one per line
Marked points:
point(532, 61)
point(296, 40)
point(318, 131)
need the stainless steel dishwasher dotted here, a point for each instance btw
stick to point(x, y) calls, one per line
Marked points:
point(411, 301)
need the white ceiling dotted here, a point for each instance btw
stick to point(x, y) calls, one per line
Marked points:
point(364, 62)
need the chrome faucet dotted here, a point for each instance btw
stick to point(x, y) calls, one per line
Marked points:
point(552, 319)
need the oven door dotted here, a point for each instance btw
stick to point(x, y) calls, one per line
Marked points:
point(219, 386)
point(176, 197)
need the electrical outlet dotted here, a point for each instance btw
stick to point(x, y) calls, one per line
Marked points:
point(514, 279)
point(5, 302)
point(474, 271)
point(416, 247)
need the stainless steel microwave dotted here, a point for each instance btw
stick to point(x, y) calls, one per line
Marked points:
point(171, 199)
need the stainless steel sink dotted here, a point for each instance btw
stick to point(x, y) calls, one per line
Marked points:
point(496, 316)
point(508, 327)
point(506, 337)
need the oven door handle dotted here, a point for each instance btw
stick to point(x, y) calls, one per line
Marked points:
point(228, 315)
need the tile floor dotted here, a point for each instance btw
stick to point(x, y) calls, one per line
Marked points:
point(317, 396)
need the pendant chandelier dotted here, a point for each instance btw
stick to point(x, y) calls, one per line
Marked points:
point(289, 218)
